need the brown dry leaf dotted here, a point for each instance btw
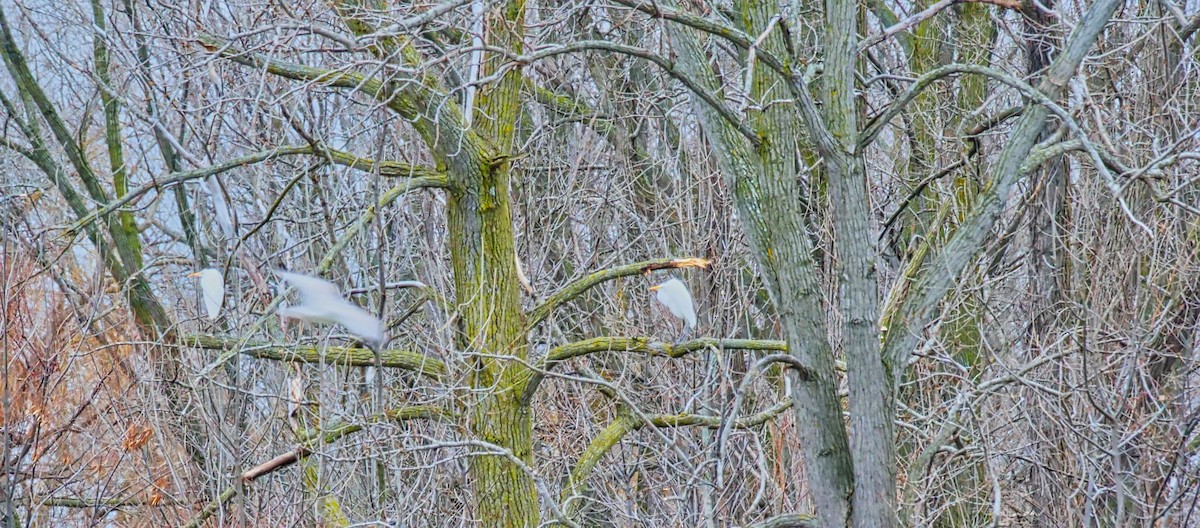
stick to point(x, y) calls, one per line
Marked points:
point(98, 467)
point(156, 496)
point(136, 437)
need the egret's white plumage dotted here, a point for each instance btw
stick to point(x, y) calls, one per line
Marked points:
point(675, 296)
point(212, 290)
point(322, 302)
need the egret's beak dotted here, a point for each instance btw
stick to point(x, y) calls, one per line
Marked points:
point(196, 274)
point(655, 288)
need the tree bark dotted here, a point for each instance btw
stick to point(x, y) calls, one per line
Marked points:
point(872, 439)
point(765, 196)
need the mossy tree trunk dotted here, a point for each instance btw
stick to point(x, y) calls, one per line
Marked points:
point(492, 332)
point(765, 194)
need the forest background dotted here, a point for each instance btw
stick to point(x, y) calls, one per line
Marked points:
point(944, 256)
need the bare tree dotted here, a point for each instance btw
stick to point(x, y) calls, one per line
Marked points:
point(955, 239)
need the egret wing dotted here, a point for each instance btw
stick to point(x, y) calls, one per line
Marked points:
point(212, 285)
point(308, 313)
point(312, 289)
point(360, 322)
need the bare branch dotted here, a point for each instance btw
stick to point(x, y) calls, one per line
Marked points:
point(666, 65)
point(930, 12)
point(916, 310)
point(304, 451)
point(876, 125)
point(652, 348)
point(335, 355)
point(65, 502)
point(627, 422)
point(706, 25)
point(788, 520)
point(423, 177)
point(743, 388)
point(577, 288)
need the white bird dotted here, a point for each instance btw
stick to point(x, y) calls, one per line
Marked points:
point(322, 302)
point(675, 296)
point(212, 290)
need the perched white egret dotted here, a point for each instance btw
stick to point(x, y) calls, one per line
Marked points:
point(212, 289)
point(675, 296)
point(322, 302)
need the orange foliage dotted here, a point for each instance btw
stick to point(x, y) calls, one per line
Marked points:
point(136, 437)
point(69, 398)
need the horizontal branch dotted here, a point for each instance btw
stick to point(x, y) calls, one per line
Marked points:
point(652, 347)
point(429, 177)
point(1038, 156)
point(578, 287)
point(65, 502)
point(570, 107)
point(642, 345)
point(789, 520)
point(333, 355)
point(297, 72)
point(425, 107)
point(714, 422)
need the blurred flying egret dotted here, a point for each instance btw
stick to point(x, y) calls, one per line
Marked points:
point(212, 289)
point(322, 302)
point(675, 296)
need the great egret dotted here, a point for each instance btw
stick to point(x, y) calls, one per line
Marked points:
point(675, 296)
point(322, 302)
point(212, 289)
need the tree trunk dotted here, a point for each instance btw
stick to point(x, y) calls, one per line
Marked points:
point(765, 194)
point(488, 290)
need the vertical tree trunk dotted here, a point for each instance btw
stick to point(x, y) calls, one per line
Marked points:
point(766, 195)
point(493, 329)
point(872, 438)
point(489, 291)
point(1046, 238)
point(492, 334)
